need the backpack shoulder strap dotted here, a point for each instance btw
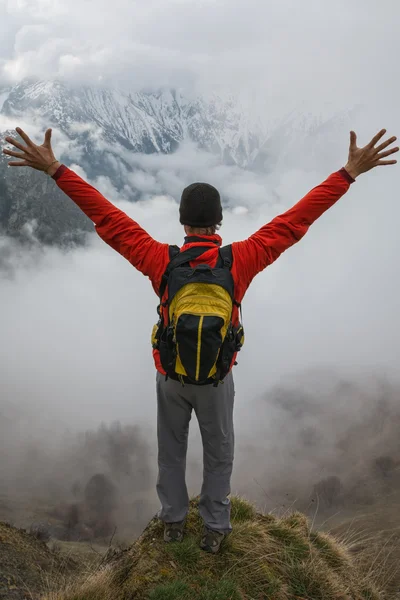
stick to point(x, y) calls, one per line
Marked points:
point(173, 251)
point(226, 257)
point(177, 259)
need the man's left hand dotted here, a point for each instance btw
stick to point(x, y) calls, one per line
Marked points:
point(364, 159)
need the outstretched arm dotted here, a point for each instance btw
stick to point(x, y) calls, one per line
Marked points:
point(267, 244)
point(118, 230)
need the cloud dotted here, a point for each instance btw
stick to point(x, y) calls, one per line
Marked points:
point(76, 324)
point(318, 311)
point(76, 349)
point(315, 51)
point(330, 300)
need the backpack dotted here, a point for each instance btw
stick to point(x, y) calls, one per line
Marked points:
point(199, 342)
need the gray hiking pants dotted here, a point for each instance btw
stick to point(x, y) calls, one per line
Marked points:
point(214, 410)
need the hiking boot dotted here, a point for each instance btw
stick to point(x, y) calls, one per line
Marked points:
point(211, 540)
point(173, 532)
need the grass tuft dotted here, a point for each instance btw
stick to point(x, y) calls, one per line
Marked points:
point(297, 521)
point(241, 510)
point(175, 590)
point(334, 553)
point(264, 558)
point(296, 547)
point(226, 589)
point(370, 593)
point(309, 579)
point(186, 554)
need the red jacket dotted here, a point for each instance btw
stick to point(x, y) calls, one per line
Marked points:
point(250, 256)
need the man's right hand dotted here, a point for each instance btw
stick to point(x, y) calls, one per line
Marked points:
point(37, 157)
point(364, 159)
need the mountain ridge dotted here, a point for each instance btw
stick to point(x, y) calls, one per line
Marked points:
point(103, 130)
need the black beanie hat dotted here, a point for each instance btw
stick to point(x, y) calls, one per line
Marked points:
point(200, 206)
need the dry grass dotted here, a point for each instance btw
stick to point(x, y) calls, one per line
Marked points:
point(28, 567)
point(373, 539)
point(264, 558)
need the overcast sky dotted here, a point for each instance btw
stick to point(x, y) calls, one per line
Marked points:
point(312, 49)
point(78, 325)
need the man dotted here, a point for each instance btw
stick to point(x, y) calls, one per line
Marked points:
point(201, 215)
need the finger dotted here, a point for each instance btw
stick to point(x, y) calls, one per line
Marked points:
point(15, 143)
point(386, 144)
point(376, 138)
point(24, 136)
point(386, 162)
point(47, 138)
point(353, 140)
point(387, 153)
point(23, 163)
point(15, 154)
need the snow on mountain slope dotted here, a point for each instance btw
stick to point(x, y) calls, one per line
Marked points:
point(157, 122)
point(3, 97)
point(143, 122)
point(108, 132)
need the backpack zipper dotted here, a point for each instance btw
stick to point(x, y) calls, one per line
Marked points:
point(199, 348)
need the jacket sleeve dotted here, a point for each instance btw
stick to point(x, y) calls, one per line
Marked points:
point(118, 230)
point(267, 244)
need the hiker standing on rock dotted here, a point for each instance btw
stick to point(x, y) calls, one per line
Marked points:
point(200, 288)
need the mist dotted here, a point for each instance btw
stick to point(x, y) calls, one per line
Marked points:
point(75, 325)
point(317, 386)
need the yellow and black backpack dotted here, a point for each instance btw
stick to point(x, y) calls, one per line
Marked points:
point(198, 343)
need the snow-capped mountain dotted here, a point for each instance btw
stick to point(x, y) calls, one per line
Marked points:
point(142, 122)
point(97, 126)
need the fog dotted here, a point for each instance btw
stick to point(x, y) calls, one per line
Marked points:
point(76, 353)
point(317, 381)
